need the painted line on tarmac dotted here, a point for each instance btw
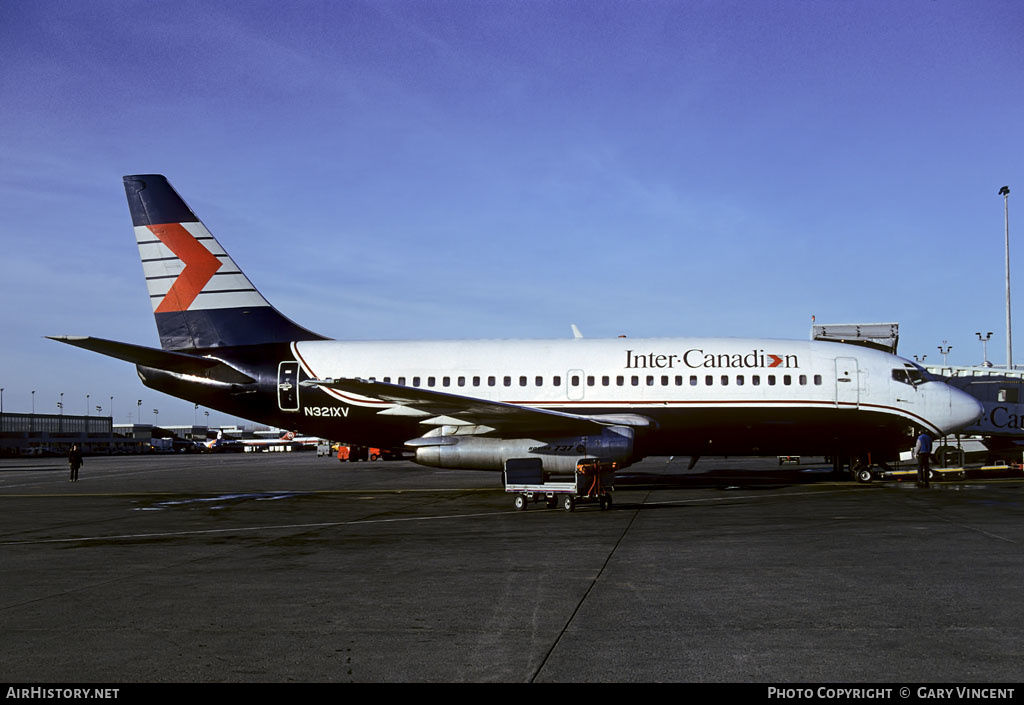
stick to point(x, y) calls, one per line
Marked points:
point(215, 493)
point(278, 527)
point(49, 480)
point(367, 522)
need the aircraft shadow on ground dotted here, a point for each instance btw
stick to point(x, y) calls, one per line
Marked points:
point(720, 479)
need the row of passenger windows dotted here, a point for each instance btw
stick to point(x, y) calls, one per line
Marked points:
point(606, 380)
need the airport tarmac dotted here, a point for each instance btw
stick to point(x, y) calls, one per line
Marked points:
point(282, 567)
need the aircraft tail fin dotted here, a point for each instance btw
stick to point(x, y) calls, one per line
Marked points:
point(201, 299)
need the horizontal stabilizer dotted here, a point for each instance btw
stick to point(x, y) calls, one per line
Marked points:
point(182, 363)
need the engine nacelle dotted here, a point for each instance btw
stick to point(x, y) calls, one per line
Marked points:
point(474, 452)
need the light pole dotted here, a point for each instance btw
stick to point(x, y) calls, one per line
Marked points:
point(945, 351)
point(139, 414)
point(1005, 193)
point(984, 348)
point(86, 404)
point(1, 400)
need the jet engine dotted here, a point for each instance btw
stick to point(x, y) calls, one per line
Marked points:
point(475, 452)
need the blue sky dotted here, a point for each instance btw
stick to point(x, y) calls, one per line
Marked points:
point(386, 170)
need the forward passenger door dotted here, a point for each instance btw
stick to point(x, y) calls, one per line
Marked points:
point(847, 382)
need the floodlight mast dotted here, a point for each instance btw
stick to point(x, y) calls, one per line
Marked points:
point(1005, 193)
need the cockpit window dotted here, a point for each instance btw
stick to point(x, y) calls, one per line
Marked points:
point(913, 375)
point(901, 376)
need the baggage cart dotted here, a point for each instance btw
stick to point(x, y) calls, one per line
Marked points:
point(526, 479)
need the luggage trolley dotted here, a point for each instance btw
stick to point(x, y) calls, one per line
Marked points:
point(593, 481)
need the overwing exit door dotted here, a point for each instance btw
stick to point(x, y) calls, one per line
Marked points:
point(574, 384)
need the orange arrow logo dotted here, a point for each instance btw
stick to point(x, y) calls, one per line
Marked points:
point(200, 266)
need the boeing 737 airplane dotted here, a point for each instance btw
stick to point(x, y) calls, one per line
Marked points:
point(479, 403)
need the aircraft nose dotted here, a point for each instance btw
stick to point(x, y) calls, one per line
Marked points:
point(964, 410)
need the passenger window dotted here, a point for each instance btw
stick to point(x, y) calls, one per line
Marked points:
point(787, 380)
point(430, 381)
point(522, 380)
point(462, 381)
point(709, 380)
point(415, 381)
point(446, 381)
point(574, 380)
point(557, 381)
point(771, 380)
point(817, 380)
point(620, 380)
point(590, 380)
point(507, 381)
point(725, 380)
point(401, 381)
point(476, 381)
point(650, 380)
point(803, 379)
point(679, 380)
point(538, 381)
point(755, 380)
point(693, 380)
point(739, 380)
point(491, 381)
point(605, 380)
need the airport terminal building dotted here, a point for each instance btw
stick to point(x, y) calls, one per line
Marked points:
point(54, 434)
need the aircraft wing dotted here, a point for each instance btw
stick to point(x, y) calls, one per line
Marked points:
point(440, 408)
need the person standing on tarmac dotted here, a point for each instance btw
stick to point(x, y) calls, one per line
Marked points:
point(923, 451)
point(74, 462)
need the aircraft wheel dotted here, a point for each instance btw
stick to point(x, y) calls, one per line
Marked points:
point(569, 503)
point(864, 475)
point(521, 502)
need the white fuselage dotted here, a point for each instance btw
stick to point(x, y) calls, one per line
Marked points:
point(698, 390)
